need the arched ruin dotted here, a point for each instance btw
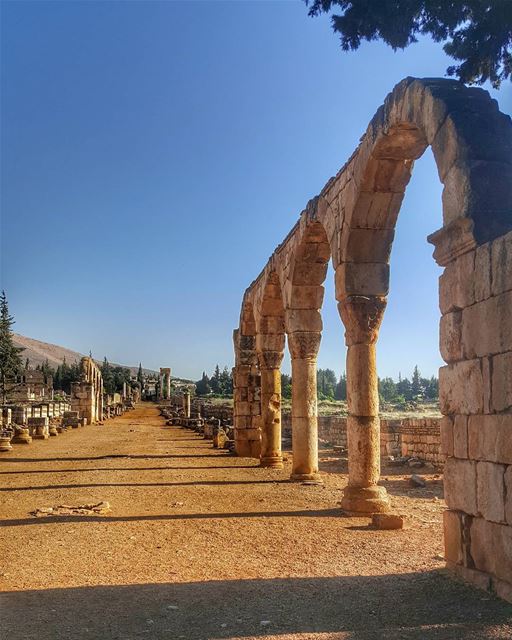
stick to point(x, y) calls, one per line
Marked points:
point(351, 222)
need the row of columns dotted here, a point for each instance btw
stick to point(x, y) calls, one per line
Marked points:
point(362, 317)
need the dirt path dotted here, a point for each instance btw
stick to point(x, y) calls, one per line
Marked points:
point(202, 545)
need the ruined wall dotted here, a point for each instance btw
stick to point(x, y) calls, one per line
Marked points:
point(476, 398)
point(87, 395)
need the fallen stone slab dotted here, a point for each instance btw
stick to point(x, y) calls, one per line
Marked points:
point(387, 521)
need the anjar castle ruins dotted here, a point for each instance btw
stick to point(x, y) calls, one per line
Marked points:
point(351, 223)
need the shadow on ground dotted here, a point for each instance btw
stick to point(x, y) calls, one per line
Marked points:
point(426, 606)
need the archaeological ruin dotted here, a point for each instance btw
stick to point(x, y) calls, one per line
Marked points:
point(351, 223)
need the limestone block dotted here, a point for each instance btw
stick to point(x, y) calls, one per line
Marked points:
point(387, 175)
point(501, 261)
point(365, 279)
point(303, 320)
point(491, 547)
point(501, 392)
point(482, 273)
point(270, 342)
point(456, 284)
point(309, 273)
point(460, 485)
point(490, 438)
point(461, 388)
point(271, 324)
point(508, 494)
point(307, 297)
point(450, 334)
point(452, 525)
point(366, 245)
point(376, 210)
point(491, 491)
point(460, 437)
point(487, 326)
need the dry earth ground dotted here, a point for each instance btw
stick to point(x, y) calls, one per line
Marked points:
point(202, 545)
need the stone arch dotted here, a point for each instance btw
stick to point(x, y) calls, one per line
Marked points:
point(472, 146)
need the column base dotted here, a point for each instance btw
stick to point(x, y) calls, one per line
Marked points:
point(306, 477)
point(272, 462)
point(365, 500)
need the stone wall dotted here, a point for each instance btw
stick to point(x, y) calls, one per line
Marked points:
point(418, 437)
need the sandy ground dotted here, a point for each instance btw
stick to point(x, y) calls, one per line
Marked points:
point(203, 545)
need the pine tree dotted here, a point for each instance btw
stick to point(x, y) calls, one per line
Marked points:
point(140, 376)
point(416, 387)
point(10, 359)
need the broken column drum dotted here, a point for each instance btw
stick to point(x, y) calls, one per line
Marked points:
point(351, 223)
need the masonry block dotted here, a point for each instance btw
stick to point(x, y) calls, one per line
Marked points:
point(461, 388)
point(491, 491)
point(460, 485)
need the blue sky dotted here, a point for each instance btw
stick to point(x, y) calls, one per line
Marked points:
point(155, 153)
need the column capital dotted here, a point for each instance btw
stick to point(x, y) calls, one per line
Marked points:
point(362, 317)
point(304, 345)
point(270, 359)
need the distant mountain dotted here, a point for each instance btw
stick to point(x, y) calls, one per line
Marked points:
point(37, 352)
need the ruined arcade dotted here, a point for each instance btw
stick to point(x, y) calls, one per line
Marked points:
point(351, 222)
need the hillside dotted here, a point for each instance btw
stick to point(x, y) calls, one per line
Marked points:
point(37, 352)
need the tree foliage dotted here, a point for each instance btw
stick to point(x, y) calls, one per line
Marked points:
point(114, 377)
point(476, 33)
point(219, 384)
point(10, 358)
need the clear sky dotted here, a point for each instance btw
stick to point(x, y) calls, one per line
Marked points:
point(155, 153)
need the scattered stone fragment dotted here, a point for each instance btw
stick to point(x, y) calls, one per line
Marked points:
point(387, 521)
point(417, 481)
point(101, 508)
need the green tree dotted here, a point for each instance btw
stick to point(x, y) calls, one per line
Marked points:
point(10, 358)
point(340, 393)
point(286, 386)
point(476, 33)
point(416, 386)
point(226, 382)
point(140, 376)
point(203, 386)
point(326, 383)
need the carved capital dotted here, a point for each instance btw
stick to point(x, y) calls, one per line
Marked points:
point(270, 359)
point(362, 317)
point(453, 240)
point(304, 345)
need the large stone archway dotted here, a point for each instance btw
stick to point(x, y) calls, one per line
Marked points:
point(352, 221)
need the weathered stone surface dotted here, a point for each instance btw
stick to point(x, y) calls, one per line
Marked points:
point(457, 285)
point(461, 388)
point(491, 548)
point(501, 253)
point(487, 327)
point(450, 343)
point(460, 485)
point(363, 278)
point(491, 491)
point(501, 392)
point(446, 427)
point(490, 438)
point(452, 536)
point(387, 521)
point(460, 437)
point(508, 494)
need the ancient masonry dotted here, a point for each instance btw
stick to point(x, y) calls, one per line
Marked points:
point(351, 222)
point(87, 395)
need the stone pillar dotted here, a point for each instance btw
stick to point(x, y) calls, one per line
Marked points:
point(186, 403)
point(304, 349)
point(270, 369)
point(168, 385)
point(362, 317)
point(246, 397)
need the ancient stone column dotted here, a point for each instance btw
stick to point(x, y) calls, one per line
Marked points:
point(168, 384)
point(304, 349)
point(362, 317)
point(186, 403)
point(270, 368)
